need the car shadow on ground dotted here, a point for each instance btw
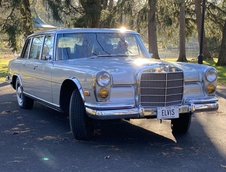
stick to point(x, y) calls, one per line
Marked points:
point(107, 131)
point(3, 84)
point(121, 137)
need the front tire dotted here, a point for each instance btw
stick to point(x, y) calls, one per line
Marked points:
point(23, 101)
point(81, 125)
point(182, 124)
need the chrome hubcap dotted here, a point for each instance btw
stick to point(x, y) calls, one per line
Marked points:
point(19, 95)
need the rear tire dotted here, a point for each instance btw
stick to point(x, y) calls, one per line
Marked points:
point(23, 101)
point(181, 125)
point(81, 125)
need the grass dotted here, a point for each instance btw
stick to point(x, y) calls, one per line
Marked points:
point(4, 67)
point(221, 72)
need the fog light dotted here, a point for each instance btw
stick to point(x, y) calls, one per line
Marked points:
point(211, 88)
point(103, 93)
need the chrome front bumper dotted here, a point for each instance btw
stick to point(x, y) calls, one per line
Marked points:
point(140, 112)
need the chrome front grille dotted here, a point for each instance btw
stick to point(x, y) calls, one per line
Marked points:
point(161, 89)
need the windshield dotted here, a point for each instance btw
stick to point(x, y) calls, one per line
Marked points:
point(81, 45)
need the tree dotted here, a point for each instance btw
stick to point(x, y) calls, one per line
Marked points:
point(78, 13)
point(222, 55)
point(27, 22)
point(92, 12)
point(198, 14)
point(17, 20)
point(152, 33)
point(182, 33)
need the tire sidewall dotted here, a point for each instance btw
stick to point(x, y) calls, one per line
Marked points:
point(80, 123)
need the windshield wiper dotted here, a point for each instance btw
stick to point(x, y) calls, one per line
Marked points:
point(101, 46)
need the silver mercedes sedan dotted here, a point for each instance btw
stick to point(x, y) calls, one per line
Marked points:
point(108, 74)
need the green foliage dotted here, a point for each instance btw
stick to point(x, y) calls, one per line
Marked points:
point(4, 67)
point(82, 13)
point(215, 17)
point(95, 13)
point(16, 20)
point(56, 8)
point(12, 30)
point(221, 70)
point(3, 71)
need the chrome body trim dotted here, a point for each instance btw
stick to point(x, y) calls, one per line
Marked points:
point(162, 68)
point(201, 100)
point(105, 107)
point(140, 112)
point(55, 106)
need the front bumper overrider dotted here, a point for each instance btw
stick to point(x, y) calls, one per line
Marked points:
point(190, 105)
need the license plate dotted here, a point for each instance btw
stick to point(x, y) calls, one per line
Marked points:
point(169, 112)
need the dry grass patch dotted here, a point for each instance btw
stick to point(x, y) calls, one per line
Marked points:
point(4, 61)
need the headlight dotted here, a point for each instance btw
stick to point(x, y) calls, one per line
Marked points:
point(103, 79)
point(211, 75)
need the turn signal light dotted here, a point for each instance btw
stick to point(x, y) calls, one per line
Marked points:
point(86, 93)
point(211, 88)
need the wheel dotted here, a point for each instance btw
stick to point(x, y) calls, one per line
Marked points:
point(23, 101)
point(181, 125)
point(81, 125)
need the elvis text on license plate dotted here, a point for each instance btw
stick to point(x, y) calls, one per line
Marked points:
point(169, 112)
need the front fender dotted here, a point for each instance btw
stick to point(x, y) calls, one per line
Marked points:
point(79, 86)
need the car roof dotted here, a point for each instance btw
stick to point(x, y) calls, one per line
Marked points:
point(85, 30)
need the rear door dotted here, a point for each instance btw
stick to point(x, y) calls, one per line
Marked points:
point(43, 71)
point(30, 74)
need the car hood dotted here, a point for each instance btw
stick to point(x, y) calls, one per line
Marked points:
point(125, 70)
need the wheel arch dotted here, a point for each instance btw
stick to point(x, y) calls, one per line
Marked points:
point(14, 78)
point(67, 87)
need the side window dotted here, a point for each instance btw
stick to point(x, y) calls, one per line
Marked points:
point(36, 47)
point(67, 46)
point(47, 52)
point(26, 49)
